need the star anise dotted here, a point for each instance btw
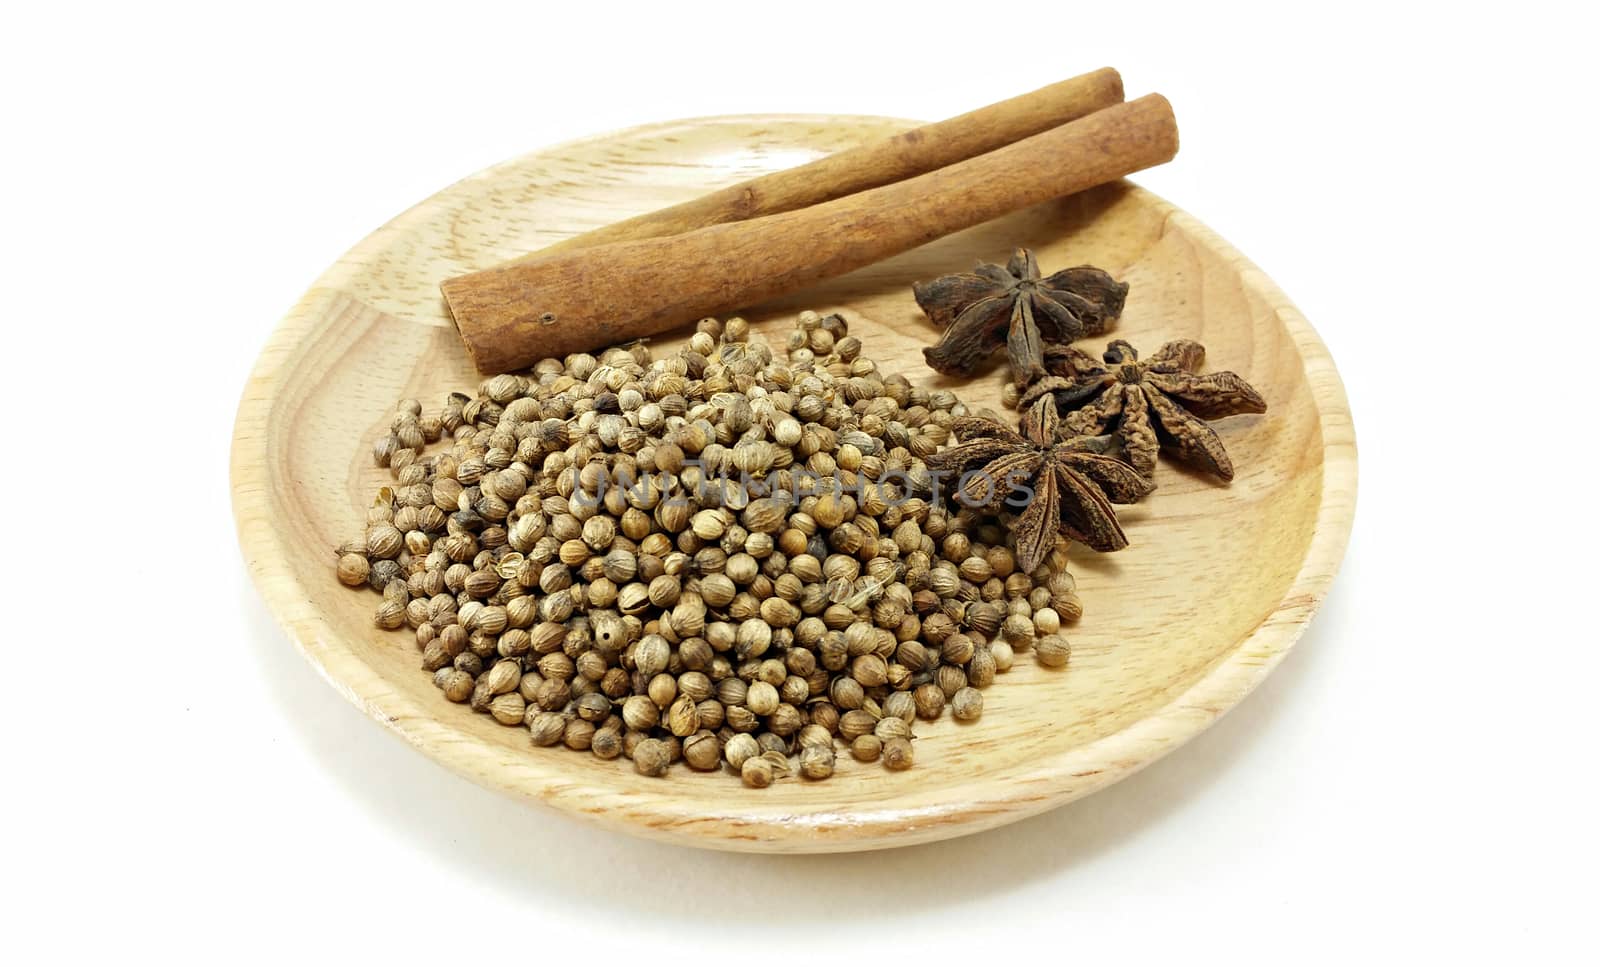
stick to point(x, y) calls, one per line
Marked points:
point(1069, 486)
point(1011, 305)
point(1158, 404)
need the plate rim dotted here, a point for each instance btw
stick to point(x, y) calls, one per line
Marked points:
point(1051, 782)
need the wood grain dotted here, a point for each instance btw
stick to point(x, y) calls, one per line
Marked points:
point(1217, 585)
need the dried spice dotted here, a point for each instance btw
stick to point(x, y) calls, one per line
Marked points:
point(1160, 403)
point(1012, 306)
point(1070, 484)
point(1053, 651)
point(721, 557)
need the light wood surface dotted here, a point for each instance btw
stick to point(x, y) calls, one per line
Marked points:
point(1218, 583)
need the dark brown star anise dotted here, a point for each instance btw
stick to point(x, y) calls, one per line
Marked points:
point(1160, 403)
point(1011, 305)
point(1069, 486)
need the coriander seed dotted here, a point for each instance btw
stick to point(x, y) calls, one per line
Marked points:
point(855, 722)
point(897, 754)
point(1052, 651)
point(816, 761)
point(702, 751)
point(929, 700)
point(891, 727)
point(866, 748)
point(640, 713)
point(757, 772)
point(967, 705)
point(390, 616)
point(1067, 605)
point(651, 757)
point(606, 743)
point(762, 699)
point(456, 684)
point(814, 735)
point(740, 748)
point(574, 554)
point(353, 570)
point(579, 735)
point(547, 728)
point(683, 717)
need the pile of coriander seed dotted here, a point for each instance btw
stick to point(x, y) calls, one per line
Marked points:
point(718, 556)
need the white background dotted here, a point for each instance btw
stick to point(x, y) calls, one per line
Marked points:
point(1417, 777)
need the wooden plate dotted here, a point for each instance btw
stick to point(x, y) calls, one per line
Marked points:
point(1218, 583)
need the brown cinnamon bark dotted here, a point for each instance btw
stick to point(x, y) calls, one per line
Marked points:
point(915, 152)
point(516, 314)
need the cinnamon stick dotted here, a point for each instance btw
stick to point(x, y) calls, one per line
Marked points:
point(882, 162)
point(513, 315)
